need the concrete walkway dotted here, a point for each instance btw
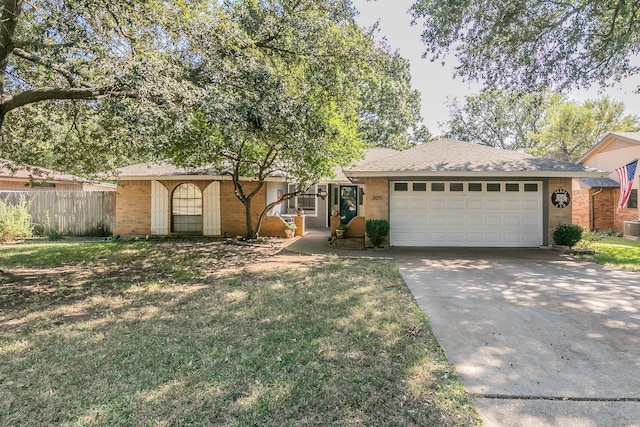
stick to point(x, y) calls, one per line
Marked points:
point(539, 338)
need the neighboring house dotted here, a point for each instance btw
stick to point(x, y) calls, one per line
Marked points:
point(16, 177)
point(443, 193)
point(595, 200)
point(451, 193)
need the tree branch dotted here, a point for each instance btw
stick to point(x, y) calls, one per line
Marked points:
point(11, 102)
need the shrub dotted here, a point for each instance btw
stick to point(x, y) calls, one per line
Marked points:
point(377, 230)
point(15, 221)
point(567, 234)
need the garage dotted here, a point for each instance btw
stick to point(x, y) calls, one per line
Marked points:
point(453, 193)
point(458, 213)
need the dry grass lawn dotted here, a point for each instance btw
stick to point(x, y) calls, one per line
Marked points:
point(198, 332)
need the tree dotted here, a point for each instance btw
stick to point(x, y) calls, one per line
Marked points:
point(390, 108)
point(283, 102)
point(542, 123)
point(527, 44)
point(569, 129)
point(499, 118)
point(73, 72)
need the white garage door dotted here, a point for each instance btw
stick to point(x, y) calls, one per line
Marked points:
point(499, 214)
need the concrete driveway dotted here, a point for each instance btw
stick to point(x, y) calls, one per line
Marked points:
point(539, 338)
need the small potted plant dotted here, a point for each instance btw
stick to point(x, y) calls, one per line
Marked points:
point(340, 231)
point(290, 229)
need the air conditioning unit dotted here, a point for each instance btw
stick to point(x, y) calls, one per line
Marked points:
point(632, 229)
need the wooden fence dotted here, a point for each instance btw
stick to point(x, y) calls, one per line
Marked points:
point(72, 213)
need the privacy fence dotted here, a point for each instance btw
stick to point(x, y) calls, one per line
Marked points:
point(72, 213)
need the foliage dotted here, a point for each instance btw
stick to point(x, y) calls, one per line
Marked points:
point(290, 96)
point(290, 226)
point(568, 129)
point(540, 123)
point(15, 221)
point(389, 108)
point(192, 332)
point(84, 84)
point(527, 44)
point(499, 118)
point(567, 234)
point(377, 230)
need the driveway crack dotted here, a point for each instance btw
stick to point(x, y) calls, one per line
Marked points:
point(559, 398)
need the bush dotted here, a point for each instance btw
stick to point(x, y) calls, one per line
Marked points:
point(377, 230)
point(15, 221)
point(567, 234)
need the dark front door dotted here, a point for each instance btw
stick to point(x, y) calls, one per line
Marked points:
point(348, 203)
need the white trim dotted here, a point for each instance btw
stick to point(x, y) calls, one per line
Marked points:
point(473, 174)
point(159, 209)
point(211, 210)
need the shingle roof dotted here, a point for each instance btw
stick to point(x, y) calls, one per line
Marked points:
point(449, 157)
point(370, 155)
point(162, 168)
point(600, 182)
point(10, 169)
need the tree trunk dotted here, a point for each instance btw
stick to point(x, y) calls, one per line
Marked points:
point(247, 216)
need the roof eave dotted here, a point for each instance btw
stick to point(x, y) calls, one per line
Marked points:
point(189, 178)
point(477, 174)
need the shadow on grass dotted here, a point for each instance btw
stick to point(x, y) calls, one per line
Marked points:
point(332, 342)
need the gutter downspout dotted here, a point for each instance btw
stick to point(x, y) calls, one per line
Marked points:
point(592, 220)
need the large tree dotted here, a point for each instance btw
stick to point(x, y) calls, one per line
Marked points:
point(531, 43)
point(542, 123)
point(569, 129)
point(291, 95)
point(499, 118)
point(81, 80)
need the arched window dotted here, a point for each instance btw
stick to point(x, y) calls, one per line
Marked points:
point(186, 209)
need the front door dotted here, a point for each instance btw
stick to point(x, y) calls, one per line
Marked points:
point(348, 203)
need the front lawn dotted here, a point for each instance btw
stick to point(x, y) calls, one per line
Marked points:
point(615, 252)
point(207, 333)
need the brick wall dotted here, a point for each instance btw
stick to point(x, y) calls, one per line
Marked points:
point(581, 208)
point(133, 208)
point(604, 208)
point(377, 198)
point(558, 215)
point(596, 209)
point(232, 210)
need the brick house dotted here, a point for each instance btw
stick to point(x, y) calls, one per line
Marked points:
point(444, 193)
point(595, 200)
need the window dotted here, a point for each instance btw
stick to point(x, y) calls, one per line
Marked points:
point(512, 187)
point(186, 209)
point(633, 199)
point(492, 186)
point(531, 187)
point(475, 186)
point(456, 186)
point(400, 186)
point(305, 200)
point(437, 186)
point(419, 186)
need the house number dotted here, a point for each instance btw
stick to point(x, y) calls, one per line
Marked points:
point(376, 198)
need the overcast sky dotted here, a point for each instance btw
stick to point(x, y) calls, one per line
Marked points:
point(434, 81)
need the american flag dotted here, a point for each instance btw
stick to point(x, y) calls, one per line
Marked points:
point(625, 176)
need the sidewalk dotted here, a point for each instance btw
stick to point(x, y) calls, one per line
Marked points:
point(316, 242)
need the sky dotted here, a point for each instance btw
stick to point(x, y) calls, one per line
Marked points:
point(435, 82)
